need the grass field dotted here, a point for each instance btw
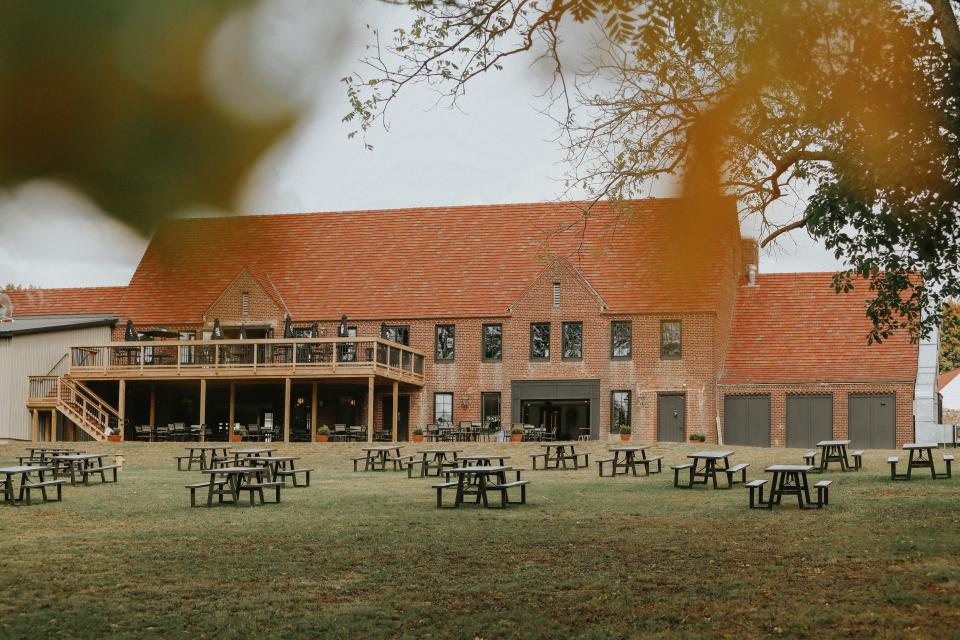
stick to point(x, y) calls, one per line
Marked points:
point(366, 555)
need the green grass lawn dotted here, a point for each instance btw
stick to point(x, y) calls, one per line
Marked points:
point(367, 555)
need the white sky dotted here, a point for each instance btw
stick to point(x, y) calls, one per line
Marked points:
point(496, 148)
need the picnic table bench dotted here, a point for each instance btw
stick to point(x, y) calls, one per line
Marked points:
point(199, 454)
point(433, 459)
point(27, 484)
point(921, 456)
point(706, 465)
point(625, 459)
point(283, 467)
point(789, 479)
point(85, 464)
point(230, 481)
point(479, 481)
point(557, 454)
point(376, 458)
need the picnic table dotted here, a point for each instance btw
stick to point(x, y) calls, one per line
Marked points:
point(558, 453)
point(198, 453)
point(625, 458)
point(250, 453)
point(376, 458)
point(921, 456)
point(789, 479)
point(24, 471)
point(834, 451)
point(705, 465)
point(230, 481)
point(482, 459)
point(473, 480)
point(434, 458)
point(86, 464)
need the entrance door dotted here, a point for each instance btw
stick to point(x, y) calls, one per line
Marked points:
point(671, 418)
point(746, 420)
point(571, 418)
point(872, 421)
point(809, 420)
point(403, 416)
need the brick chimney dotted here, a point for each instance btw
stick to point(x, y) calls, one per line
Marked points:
point(749, 259)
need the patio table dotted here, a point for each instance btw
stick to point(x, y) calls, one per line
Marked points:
point(789, 479)
point(473, 481)
point(24, 471)
point(236, 477)
point(558, 453)
point(201, 455)
point(71, 463)
point(376, 457)
point(921, 456)
point(705, 465)
point(833, 451)
point(625, 457)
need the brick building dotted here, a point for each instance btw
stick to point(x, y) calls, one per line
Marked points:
point(509, 313)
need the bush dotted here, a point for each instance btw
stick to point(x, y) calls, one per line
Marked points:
point(323, 431)
point(517, 431)
point(625, 429)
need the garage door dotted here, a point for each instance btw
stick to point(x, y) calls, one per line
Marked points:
point(746, 420)
point(809, 420)
point(873, 421)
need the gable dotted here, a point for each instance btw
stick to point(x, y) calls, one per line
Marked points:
point(262, 305)
point(575, 291)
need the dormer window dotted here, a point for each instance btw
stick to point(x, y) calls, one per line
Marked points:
point(556, 295)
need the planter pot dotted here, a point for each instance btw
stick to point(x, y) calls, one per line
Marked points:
point(624, 436)
point(115, 437)
point(417, 438)
point(516, 437)
point(235, 437)
point(321, 438)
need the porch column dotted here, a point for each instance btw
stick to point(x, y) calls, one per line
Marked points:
point(203, 408)
point(122, 406)
point(53, 425)
point(313, 413)
point(36, 425)
point(233, 401)
point(153, 410)
point(396, 408)
point(286, 410)
point(370, 409)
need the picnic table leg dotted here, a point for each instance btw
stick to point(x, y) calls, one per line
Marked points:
point(632, 461)
point(213, 478)
point(844, 465)
point(8, 490)
point(806, 487)
point(482, 490)
point(910, 464)
point(459, 499)
point(711, 471)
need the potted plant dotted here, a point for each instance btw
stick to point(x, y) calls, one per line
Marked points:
point(115, 435)
point(418, 435)
point(323, 433)
point(516, 434)
point(624, 432)
point(698, 437)
point(238, 433)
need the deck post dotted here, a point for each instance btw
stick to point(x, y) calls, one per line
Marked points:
point(122, 407)
point(52, 430)
point(286, 410)
point(396, 409)
point(203, 408)
point(370, 409)
point(153, 410)
point(233, 405)
point(36, 425)
point(313, 412)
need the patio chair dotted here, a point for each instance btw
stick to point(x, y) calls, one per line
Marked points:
point(142, 432)
point(268, 433)
point(340, 433)
point(357, 433)
point(253, 432)
point(195, 430)
point(180, 431)
point(430, 433)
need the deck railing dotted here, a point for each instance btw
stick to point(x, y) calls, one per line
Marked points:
point(295, 354)
point(43, 388)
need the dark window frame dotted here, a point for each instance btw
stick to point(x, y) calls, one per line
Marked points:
point(394, 327)
point(663, 354)
point(613, 406)
point(483, 342)
point(545, 358)
point(499, 396)
point(563, 341)
point(613, 344)
point(436, 342)
point(436, 395)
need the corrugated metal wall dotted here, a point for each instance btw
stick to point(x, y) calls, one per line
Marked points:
point(33, 355)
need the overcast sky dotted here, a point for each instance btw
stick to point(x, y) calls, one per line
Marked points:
point(496, 148)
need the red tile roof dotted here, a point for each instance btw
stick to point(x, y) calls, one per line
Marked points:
point(87, 300)
point(946, 378)
point(437, 262)
point(792, 327)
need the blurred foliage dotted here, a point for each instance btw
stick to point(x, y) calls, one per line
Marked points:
point(108, 96)
point(950, 338)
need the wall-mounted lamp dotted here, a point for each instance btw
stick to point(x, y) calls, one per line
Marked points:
point(465, 400)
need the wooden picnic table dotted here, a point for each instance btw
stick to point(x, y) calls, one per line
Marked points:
point(473, 481)
point(435, 458)
point(250, 453)
point(705, 465)
point(201, 455)
point(921, 456)
point(74, 462)
point(377, 456)
point(273, 464)
point(625, 457)
point(235, 478)
point(834, 451)
point(789, 479)
point(482, 459)
point(24, 471)
point(558, 453)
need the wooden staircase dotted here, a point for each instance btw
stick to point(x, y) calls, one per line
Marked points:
point(77, 402)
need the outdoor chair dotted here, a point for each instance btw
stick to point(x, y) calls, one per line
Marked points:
point(142, 432)
point(339, 433)
point(358, 433)
point(268, 433)
point(253, 432)
point(195, 431)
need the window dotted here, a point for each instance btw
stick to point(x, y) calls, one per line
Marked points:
point(572, 340)
point(621, 340)
point(670, 339)
point(244, 304)
point(187, 355)
point(445, 342)
point(395, 333)
point(540, 341)
point(443, 408)
point(619, 410)
point(302, 332)
point(490, 409)
point(492, 342)
point(556, 294)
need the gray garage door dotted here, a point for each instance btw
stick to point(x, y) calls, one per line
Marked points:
point(873, 421)
point(746, 420)
point(809, 420)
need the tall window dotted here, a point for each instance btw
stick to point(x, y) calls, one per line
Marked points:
point(187, 355)
point(490, 408)
point(540, 341)
point(493, 342)
point(443, 408)
point(556, 295)
point(670, 346)
point(621, 339)
point(445, 342)
point(572, 340)
point(245, 304)
point(395, 333)
point(619, 410)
